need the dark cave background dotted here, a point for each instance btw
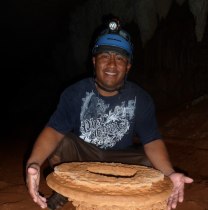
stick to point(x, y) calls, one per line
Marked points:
point(38, 61)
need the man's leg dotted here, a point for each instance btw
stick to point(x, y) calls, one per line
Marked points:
point(72, 148)
point(133, 155)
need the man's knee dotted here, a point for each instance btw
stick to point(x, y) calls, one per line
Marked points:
point(61, 152)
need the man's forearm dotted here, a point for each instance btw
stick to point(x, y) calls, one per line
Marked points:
point(45, 144)
point(157, 153)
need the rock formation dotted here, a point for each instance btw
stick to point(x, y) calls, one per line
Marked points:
point(111, 186)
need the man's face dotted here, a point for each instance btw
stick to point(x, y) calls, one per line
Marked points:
point(110, 69)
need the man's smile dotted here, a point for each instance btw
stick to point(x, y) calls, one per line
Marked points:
point(110, 72)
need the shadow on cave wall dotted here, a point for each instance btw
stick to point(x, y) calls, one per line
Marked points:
point(175, 64)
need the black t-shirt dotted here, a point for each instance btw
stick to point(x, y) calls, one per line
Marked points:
point(107, 122)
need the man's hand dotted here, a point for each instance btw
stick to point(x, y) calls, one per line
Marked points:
point(179, 180)
point(33, 179)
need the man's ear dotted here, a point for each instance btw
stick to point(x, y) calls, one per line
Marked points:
point(128, 68)
point(93, 60)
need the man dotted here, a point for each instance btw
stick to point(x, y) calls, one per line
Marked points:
point(97, 118)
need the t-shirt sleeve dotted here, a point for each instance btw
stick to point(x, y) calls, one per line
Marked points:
point(146, 123)
point(62, 119)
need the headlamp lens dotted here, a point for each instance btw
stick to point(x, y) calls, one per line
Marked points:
point(113, 26)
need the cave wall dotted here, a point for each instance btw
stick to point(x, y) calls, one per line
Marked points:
point(46, 46)
point(175, 68)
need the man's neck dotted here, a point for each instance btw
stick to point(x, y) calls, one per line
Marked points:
point(106, 93)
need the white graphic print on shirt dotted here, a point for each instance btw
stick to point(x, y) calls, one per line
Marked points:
point(102, 126)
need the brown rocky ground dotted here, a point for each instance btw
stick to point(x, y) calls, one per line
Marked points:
point(185, 132)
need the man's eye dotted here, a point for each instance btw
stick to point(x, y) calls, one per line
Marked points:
point(120, 58)
point(104, 55)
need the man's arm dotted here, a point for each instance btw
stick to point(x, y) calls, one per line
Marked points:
point(45, 144)
point(157, 153)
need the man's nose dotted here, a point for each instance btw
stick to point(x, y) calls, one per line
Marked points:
point(112, 61)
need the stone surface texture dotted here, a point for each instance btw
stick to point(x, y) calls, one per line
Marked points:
point(111, 186)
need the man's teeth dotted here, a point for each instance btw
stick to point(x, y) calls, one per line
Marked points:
point(110, 73)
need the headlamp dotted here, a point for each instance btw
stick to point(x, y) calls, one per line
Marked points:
point(114, 25)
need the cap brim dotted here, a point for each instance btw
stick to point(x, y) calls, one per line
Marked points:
point(104, 48)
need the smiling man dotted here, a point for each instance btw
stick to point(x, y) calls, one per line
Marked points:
point(111, 69)
point(97, 118)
